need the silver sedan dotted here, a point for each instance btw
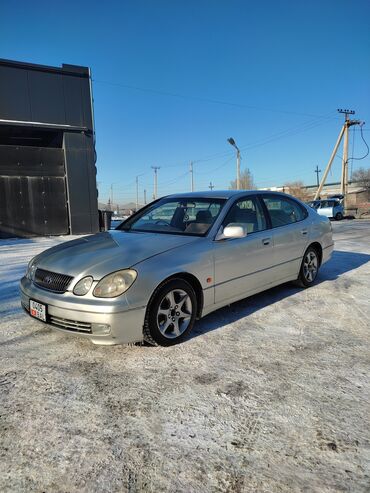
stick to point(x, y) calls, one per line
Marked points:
point(174, 261)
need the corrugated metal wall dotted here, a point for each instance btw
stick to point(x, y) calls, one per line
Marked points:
point(33, 198)
point(47, 184)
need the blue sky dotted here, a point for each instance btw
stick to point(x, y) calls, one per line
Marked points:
point(174, 79)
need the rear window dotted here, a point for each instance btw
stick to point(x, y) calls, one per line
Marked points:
point(328, 203)
point(283, 210)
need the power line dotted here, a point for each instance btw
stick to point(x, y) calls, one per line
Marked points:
point(277, 136)
point(288, 133)
point(203, 99)
point(367, 147)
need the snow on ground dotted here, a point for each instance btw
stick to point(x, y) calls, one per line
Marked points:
point(14, 257)
point(268, 395)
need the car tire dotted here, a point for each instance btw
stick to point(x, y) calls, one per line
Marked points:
point(171, 313)
point(309, 268)
point(338, 216)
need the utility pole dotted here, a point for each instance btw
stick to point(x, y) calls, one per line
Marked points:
point(192, 176)
point(344, 176)
point(156, 168)
point(137, 193)
point(238, 169)
point(317, 171)
point(211, 186)
point(144, 197)
point(111, 194)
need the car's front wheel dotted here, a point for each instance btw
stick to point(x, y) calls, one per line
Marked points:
point(309, 268)
point(338, 216)
point(171, 313)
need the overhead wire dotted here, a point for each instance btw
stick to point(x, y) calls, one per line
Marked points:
point(203, 99)
point(318, 120)
point(367, 147)
point(277, 136)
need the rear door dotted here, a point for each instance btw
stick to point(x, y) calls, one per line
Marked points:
point(242, 264)
point(290, 233)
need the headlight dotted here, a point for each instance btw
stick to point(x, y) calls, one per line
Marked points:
point(83, 286)
point(115, 284)
point(31, 269)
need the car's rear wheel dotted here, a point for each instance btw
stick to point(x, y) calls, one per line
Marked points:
point(171, 313)
point(309, 268)
point(338, 216)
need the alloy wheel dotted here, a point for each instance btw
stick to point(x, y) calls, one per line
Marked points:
point(310, 265)
point(174, 313)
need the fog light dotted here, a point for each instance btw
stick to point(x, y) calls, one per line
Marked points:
point(100, 329)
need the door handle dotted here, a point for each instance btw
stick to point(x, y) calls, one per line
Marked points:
point(304, 231)
point(266, 241)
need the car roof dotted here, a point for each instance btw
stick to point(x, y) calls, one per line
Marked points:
point(221, 194)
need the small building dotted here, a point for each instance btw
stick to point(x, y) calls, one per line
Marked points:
point(47, 151)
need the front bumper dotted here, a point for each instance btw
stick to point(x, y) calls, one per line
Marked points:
point(69, 314)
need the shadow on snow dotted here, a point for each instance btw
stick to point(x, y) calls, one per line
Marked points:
point(340, 263)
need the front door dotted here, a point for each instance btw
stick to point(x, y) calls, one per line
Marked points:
point(242, 264)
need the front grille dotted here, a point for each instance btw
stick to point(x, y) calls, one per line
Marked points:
point(72, 325)
point(52, 281)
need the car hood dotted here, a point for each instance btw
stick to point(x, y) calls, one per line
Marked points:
point(100, 254)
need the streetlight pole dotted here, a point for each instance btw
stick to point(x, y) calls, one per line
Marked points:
point(231, 141)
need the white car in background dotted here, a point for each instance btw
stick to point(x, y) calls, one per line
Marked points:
point(332, 208)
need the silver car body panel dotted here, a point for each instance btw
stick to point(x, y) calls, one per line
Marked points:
point(226, 270)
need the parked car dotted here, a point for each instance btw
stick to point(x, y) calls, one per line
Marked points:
point(332, 208)
point(174, 261)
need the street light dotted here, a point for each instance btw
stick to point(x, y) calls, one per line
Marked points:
point(231, 141)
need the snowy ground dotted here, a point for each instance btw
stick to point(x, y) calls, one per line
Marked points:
point(269, 395)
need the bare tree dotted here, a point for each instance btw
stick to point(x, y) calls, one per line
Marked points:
point(297, 189)
point(362, 176)
point(246, 181)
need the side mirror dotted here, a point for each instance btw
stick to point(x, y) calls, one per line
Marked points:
point(232, 230)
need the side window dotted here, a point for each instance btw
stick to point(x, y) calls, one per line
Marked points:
point(248, 213)
point(284, 210)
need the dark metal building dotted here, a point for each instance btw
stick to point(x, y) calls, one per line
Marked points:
point(47, 151)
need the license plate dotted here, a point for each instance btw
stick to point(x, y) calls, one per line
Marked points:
point(38, 310)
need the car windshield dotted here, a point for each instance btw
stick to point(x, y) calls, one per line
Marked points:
point(184, 216)
point(327, 203)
